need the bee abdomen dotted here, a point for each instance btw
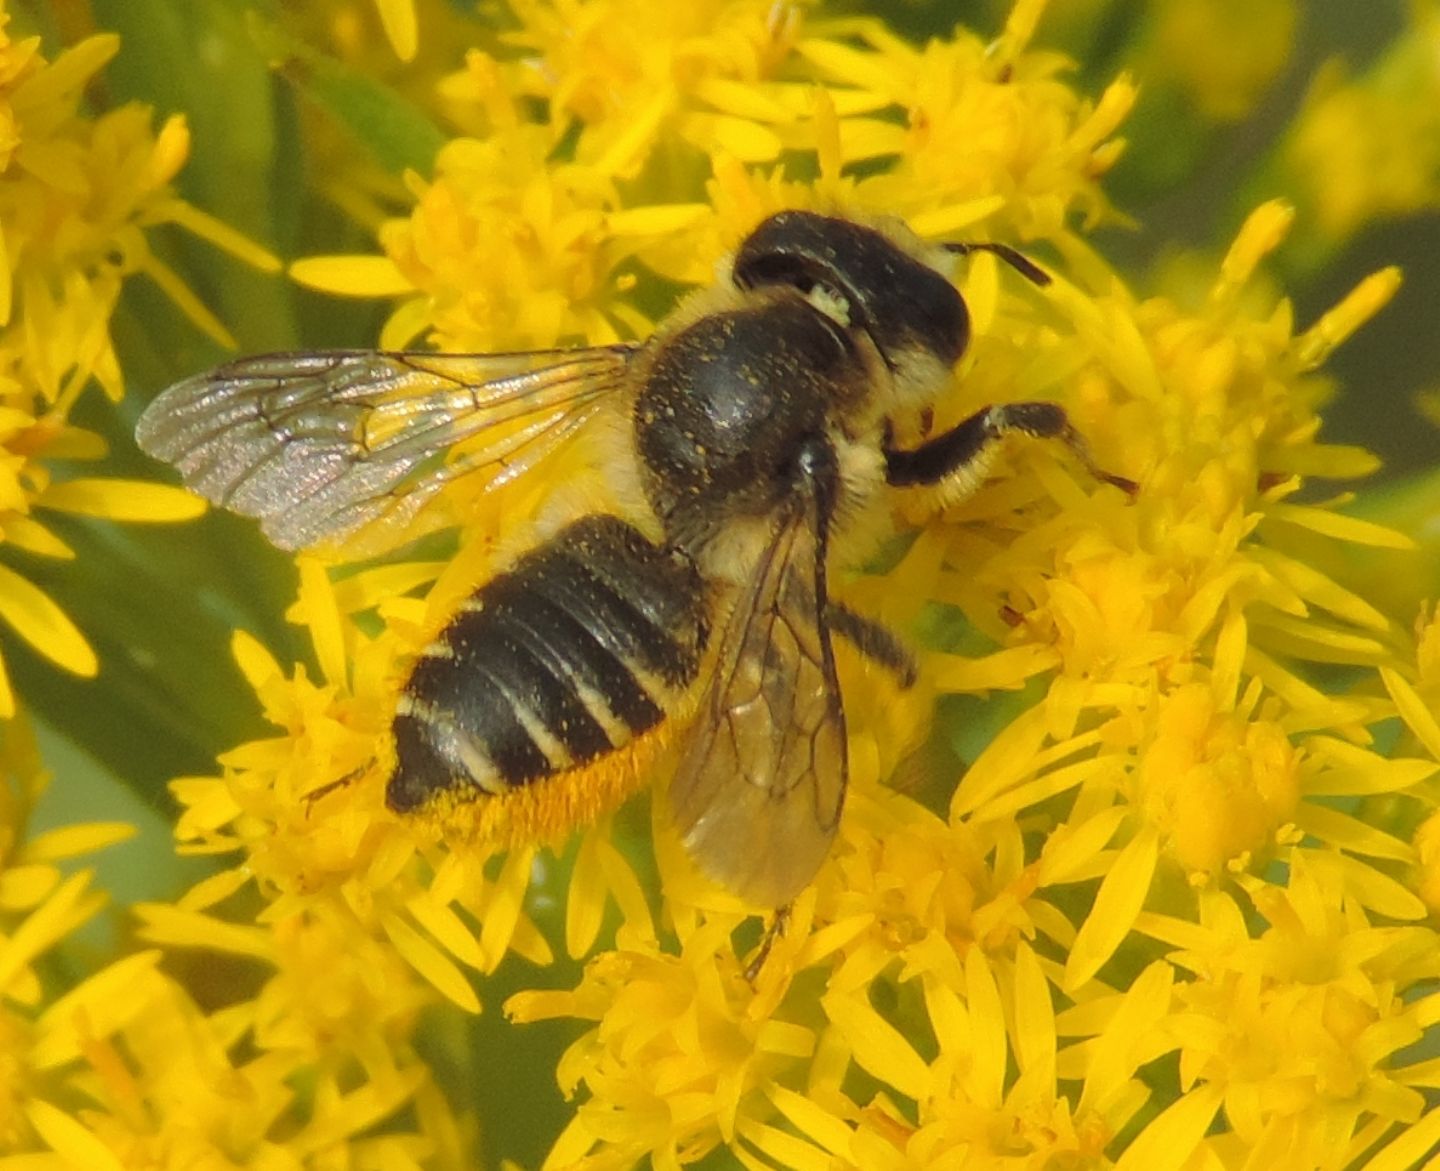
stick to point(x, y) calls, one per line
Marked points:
point(568, 656)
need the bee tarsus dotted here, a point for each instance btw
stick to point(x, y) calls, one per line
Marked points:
point(964, 446)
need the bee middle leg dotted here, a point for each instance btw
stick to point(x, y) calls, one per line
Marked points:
point(962, 448)
point(874, 641)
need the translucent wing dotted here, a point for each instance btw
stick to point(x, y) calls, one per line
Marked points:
point(758, 793)
point(319, 446)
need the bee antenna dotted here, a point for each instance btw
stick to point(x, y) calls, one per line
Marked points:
point(1016, 260)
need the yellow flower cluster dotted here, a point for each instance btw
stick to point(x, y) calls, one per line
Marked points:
point(960, 987)
point(1365, 149)
point(76, 196)
point(1166, 896)
point(1142, 817)
point(125, 1069)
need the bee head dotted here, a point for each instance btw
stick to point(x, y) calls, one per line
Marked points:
point(863, 280)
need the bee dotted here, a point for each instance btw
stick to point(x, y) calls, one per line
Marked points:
point(758, 431)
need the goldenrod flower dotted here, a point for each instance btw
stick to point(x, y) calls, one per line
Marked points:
point(700, 73)
point(126, 1069)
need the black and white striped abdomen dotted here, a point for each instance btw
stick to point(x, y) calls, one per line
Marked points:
point(569, 655)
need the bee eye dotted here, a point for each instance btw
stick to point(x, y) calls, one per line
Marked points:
point(812, 280)
point(779, 268)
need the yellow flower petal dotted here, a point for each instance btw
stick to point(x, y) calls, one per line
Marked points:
point(401, 26)
point(880, 1048)
point(948, 223)
point(24, 886)
point(660, 219)
point(67, 907)
point(1112, 914)
point(585, 902)
point(747, 141)
point(219, 233)
point(1350, 833)
point(173, 927)
point(1412, 1144)
point(66, 1137)
point(68, 72)
point(624, 886)
point(503, 911)
point(1168, 1142)
point(811, 1119)
point(1413, 710)
point(1263, 231)
point(1320, 590)
point(447, 928)
point(351, 276)
point(95, 1009)
point(988, 1049)
point(68, 841)
point(24, 532)
point(1369, 887)
point(431, 963)
point(217, 888)
point(1125, 1037)
point(7, 693)
point(256, 663)
point(1332, 460)
point(866, 70)
point(126, 500)
point(1002, 669)
point(785, 1149)
point(1339, 526)
point(186, 301)
point(1362, 303)
point(42, 624)
point(1072, 849)
point(1035, 1039)
point(7, 289)
point(322, 616)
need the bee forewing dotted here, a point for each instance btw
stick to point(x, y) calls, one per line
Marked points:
point(759, 790)
point(318, 446)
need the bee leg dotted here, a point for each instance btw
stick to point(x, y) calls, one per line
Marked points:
point(773, 931)
point(325, 790)
point(876, 642)
point(959, 451)
point(1021, 263)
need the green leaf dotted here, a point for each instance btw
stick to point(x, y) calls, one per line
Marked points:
point(396, 134)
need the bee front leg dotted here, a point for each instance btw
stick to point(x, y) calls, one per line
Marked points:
point(960, 453)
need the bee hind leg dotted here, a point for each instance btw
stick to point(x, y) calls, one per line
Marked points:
point(773, 931)
point(874, 641)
